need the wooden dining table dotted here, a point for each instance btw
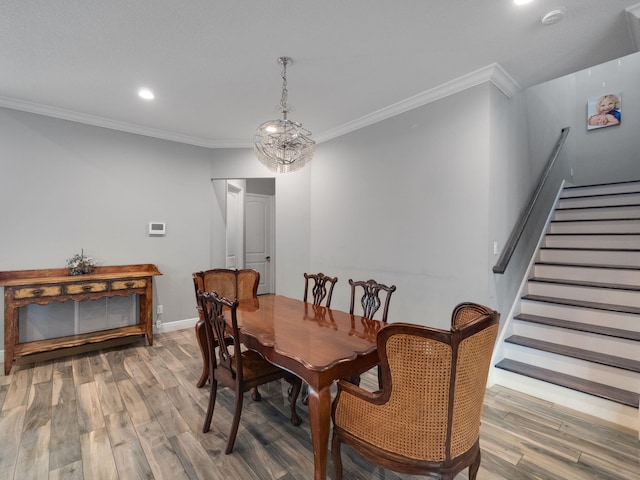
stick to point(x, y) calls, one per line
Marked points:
point(318, 344)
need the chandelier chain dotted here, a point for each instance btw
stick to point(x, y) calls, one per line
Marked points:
point(285, 92)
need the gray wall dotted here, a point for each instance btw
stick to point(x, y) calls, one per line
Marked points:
point(66, 186)
point(607, 154)
point(405, 202)
point(610, 153)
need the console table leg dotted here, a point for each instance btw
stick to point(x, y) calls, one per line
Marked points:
point(10, 336)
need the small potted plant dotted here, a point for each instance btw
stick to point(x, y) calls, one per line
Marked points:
point(80, 265)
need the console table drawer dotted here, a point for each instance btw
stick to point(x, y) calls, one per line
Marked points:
point(129, 284)
point(37, 292)
point(76, 288)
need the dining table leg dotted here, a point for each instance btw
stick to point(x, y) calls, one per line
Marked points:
point(320, 423)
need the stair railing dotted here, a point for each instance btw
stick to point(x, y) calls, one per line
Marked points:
point(516, 233)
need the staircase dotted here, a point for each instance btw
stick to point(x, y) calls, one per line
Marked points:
point(576, 336)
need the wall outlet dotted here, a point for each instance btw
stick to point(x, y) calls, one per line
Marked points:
point(158, 323)
point(495, 248)
point(159, 309)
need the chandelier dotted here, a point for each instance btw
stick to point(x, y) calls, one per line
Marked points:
point(283, 145)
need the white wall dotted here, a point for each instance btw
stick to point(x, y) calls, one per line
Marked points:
point(66, 187)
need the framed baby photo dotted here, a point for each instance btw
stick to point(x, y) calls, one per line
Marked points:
point(604, 111)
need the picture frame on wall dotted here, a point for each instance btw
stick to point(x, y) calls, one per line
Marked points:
point(604, 111)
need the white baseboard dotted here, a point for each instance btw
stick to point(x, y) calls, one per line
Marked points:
point(177, 325)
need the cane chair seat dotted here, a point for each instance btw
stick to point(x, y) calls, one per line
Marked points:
point(426, 418)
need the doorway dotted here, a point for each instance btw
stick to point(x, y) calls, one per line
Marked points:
point(246, 216)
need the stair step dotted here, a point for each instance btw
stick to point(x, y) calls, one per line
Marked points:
point(628, 295)
point(583, 304)
point(601, 199)
point(591, 256)
point(583, 312)
point(602, 212)
point(579, 326)
point(584, 283)
point(601, 188)
point(601, 273)
point(618, 395)
point(593, 240)
point(596, 225)
point(586, 355)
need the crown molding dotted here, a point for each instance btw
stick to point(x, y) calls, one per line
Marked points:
point(633, 20)
point(114, 124)
point(493, 73)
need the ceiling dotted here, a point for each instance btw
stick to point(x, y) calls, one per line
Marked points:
point(212, 63)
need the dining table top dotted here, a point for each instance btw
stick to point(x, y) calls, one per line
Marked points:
point(316, 336)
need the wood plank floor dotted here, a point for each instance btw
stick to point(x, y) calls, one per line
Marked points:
point(134, 412)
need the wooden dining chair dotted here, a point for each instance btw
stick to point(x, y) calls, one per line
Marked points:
point(227, 283)
point(370, 303)
point(321, 288)
point(238, 369)
point(426, 418)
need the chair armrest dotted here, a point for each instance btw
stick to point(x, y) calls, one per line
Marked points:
point(360, 393)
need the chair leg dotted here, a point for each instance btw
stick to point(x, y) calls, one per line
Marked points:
point(236, 422)
point(255, 395)
point(336, 456)
point(296, 385)
point(212, 404)
point(201, 335)
point(474, 467)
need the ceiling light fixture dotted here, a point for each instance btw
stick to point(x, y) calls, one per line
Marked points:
point(146, 94)
point(282, 145)
point(522, 2)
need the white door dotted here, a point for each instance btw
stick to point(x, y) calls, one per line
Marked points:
point(259, 241)
point(234, 227)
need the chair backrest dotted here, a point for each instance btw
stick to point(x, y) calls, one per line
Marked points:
point(212, 307)
point(247, 284)
point(466, 312)
point(434, 384)
point(321, 289)
point(227, 283)
point(370, 300)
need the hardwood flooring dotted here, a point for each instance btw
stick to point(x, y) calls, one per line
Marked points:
point(135, 413)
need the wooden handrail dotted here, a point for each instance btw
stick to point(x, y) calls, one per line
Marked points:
point(510, 246)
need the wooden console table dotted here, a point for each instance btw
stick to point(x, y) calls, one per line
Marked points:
point(24, 287)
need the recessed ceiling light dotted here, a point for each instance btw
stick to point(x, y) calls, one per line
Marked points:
point(146, 94)
point(554, 16)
